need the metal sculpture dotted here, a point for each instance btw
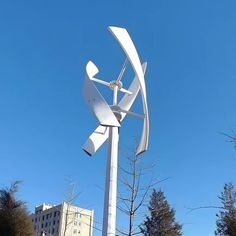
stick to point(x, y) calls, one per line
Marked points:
point(111, 116)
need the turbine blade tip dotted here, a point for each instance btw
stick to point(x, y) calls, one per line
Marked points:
point(91, 69)
point(90, 154)
point(115, 28)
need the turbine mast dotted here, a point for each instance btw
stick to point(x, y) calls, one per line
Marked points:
point(110, 201)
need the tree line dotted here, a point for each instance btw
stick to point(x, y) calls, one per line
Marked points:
point(159, 221)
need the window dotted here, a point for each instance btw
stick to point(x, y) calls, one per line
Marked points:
point(75, 222)
point(50, 214)
point(47, 216)
point(53, 231)
point(54, 222)
point(75, 231)
point(43, 217)
point(78, 215)
point(42, 226)
point(46, 224)
point(55, 214)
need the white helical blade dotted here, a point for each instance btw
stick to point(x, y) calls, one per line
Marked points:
point(96, 139)
point(127, 44)
point(94, 99)
point(100, 134)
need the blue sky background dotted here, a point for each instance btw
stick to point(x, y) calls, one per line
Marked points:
point(191, 79)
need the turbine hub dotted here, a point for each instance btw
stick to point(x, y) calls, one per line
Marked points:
point(115, 83)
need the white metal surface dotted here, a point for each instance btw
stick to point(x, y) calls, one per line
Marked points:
point(109, 211)
point(127, 44)
point(96, 139)
point(100, 134)
point(96, 102)
point(100, 81)
point(127, 101)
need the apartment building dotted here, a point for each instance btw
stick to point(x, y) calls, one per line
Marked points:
point(62, 220)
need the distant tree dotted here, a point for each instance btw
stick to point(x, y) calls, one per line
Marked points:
point(161, 221)
point(14, 218)
point(133, 190)
point(226, 222)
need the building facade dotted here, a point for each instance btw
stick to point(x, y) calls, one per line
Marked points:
point(62, 220)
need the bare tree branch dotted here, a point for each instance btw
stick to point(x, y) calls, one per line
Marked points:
point(204, 207)
point(135, 190)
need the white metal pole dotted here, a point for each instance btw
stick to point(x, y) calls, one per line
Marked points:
point(109, 213)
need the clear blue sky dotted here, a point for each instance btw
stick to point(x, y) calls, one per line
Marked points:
point(190, 47)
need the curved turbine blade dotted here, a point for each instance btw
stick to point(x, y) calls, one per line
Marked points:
point(127, 45)
point(100, 134)
point(96, 139)
point(96, 102)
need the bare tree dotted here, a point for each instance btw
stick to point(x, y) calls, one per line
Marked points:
point(133, 190)
point(66, 206)
point(231, 137)
point(71, 214)
point(70, 198)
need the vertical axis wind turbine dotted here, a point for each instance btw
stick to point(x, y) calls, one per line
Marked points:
point(111, 116)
